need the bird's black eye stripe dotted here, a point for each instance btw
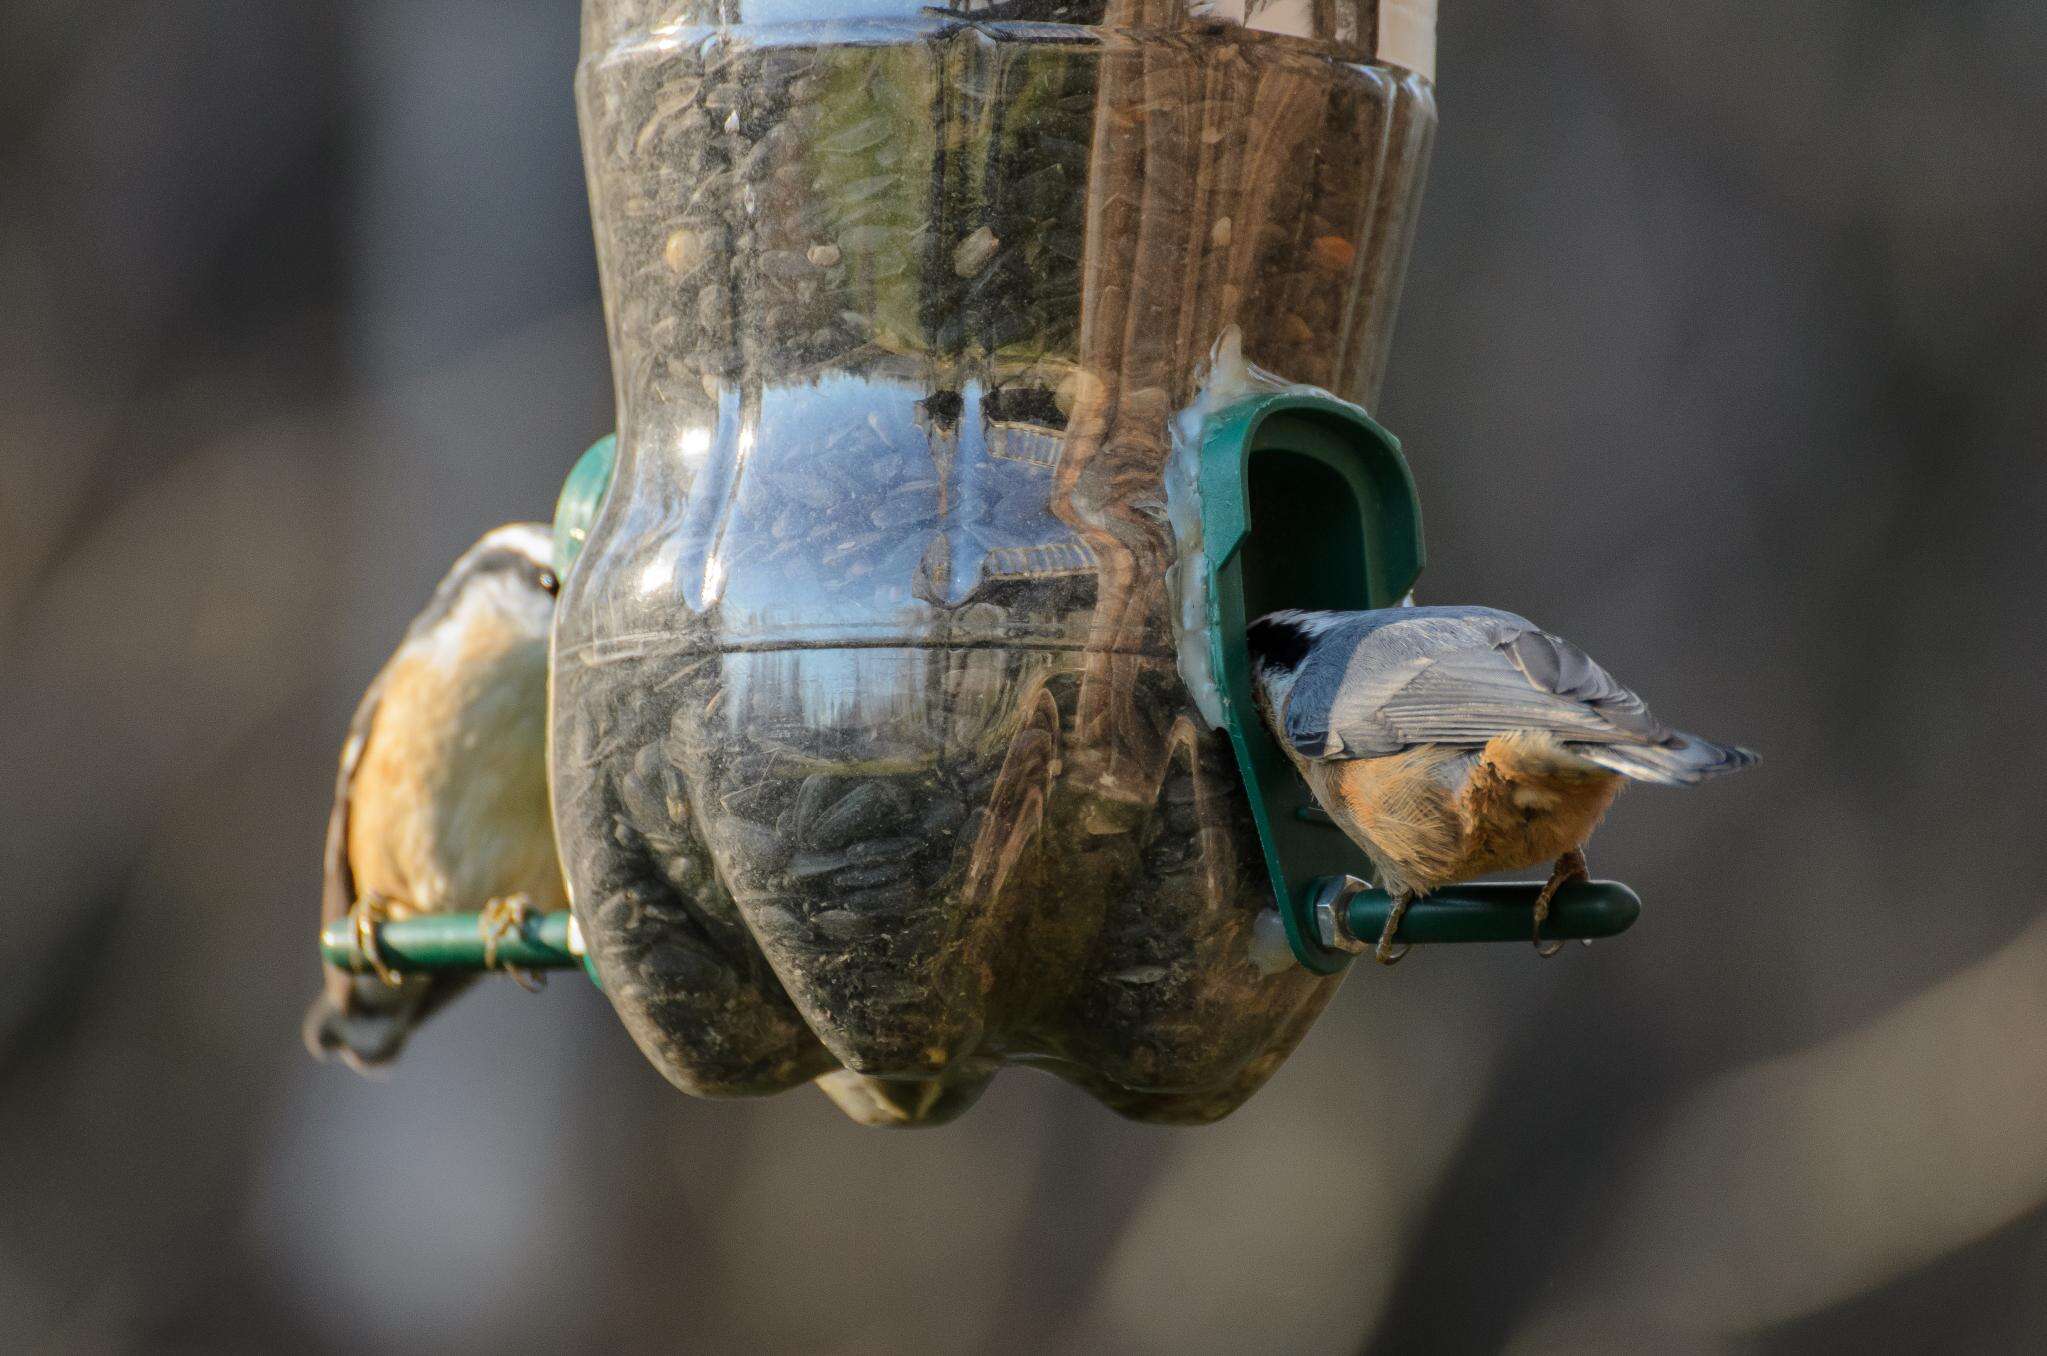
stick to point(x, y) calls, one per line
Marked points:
point(501, 562)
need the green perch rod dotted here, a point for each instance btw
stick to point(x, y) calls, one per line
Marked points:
point(1501, 912)
point(441, 943)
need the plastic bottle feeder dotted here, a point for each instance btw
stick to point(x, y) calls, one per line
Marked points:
point(901, 724)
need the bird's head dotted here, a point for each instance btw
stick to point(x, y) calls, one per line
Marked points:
point(507, 578)
point(523, 551)
point(1279, 643)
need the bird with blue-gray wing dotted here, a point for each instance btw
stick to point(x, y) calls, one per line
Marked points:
point(1453, 742)
point(441, 804)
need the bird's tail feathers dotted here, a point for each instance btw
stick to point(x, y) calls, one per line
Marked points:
point(366, 1022)
point(1681, 760)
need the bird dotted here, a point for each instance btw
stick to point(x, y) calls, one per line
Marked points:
point(1452, 742)
point(441, 802)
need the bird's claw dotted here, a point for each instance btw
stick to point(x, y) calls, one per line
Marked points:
point(1570, 867)
point(365, 916)
point(507, 917)
point(1385, 952)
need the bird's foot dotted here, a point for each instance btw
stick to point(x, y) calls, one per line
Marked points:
point(504, 917)
point(1569, 867)
point(1384, 953)
point(365, 916)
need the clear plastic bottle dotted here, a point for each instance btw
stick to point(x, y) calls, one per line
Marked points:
point(871, 756)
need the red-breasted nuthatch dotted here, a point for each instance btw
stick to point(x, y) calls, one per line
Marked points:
point(442, 800)
point(1452, 742)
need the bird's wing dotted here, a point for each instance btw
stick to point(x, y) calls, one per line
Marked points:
point(1461, 677)
point(337, 891)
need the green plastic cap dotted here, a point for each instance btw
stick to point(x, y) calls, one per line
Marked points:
point(582, 494)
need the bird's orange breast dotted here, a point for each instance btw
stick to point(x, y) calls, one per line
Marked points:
point(449, 806)
point(1436, 815)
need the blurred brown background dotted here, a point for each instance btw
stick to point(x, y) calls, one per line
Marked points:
point(1723, 353)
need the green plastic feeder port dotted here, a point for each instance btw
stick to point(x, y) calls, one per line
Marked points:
point(582, 494)
point(1307, 503)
